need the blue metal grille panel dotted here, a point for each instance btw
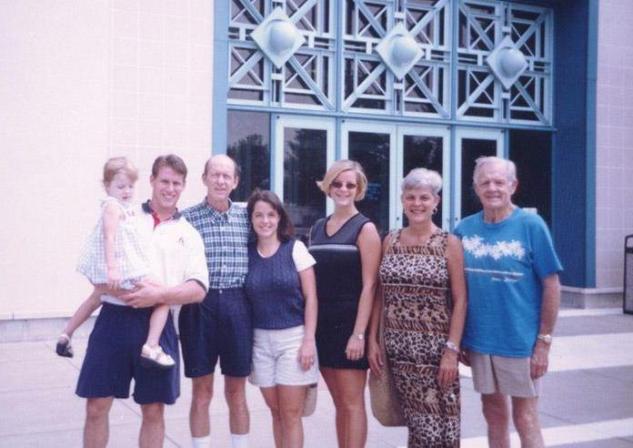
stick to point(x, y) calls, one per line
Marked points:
point(369, 86)
point(482, 25)
point(306, 80)
point(338, 70)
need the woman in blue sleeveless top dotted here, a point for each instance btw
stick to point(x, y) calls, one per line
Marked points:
point(346, 247)
point(281, 288)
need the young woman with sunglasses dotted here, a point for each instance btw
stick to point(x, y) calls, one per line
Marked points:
point(346, 246)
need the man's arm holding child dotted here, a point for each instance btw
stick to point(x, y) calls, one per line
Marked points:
point(195, 276)
point(149, 293)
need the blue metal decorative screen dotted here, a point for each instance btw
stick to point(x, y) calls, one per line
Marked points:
point(306, 80)
point(527, 30)
point(369, 85)
point(394, 58)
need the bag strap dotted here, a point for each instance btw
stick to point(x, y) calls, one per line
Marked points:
point(391, 238)
point(381, 329)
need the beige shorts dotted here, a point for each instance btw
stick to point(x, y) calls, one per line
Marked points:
point(508, 376)
point(276, 359)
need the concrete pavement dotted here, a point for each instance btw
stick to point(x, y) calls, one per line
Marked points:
point(587, 397)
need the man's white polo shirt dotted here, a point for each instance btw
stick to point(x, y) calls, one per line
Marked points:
point(175, 251)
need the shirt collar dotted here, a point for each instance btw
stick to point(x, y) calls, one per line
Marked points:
point(216, 215)
point(147, 208)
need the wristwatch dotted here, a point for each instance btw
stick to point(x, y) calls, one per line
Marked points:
point(452, 346)
point(545, 338)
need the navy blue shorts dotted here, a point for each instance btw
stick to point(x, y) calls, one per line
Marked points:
point(219, 327)
point(113, 358)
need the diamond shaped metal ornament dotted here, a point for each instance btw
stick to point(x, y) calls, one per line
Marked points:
point(399, 51)
point(507, 62)
point(278, 37)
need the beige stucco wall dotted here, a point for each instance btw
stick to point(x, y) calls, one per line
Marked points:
point(614, 157)
point(81, 81)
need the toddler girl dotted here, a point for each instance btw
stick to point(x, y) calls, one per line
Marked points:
point(115, 257)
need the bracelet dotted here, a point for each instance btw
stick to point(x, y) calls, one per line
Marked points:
point(360, 336)
point(452, 346)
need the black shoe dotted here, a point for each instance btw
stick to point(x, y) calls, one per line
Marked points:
point(63, 347)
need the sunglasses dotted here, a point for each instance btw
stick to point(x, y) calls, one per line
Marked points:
point(338, 184)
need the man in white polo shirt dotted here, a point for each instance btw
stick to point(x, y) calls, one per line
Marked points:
point(178, 262)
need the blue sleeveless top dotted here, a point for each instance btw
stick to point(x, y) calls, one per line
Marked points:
point(274, 288)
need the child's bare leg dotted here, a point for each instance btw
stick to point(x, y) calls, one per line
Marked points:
point(152, 354)
point(63, 347)
point(157, 324)
point(84, 311)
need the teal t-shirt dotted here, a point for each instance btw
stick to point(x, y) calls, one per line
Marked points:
point(505, 264)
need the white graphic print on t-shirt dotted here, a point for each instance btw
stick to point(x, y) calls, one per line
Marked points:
point(478, 248)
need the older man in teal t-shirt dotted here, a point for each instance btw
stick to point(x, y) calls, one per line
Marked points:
point(513, 299)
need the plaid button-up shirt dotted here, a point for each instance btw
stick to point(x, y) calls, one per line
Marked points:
point(225, 236)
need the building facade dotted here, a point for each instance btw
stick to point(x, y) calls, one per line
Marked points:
point(288, 86)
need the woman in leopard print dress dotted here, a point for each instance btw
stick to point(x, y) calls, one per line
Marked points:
point(423, 297)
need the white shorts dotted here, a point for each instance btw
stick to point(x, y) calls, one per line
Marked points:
point(276, 359)
point(508, 376)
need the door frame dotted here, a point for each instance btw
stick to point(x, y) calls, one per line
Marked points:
point(281, 122)
point(427, 131)
point(451, 155)
point(493, 134)
point(348, 126)
point(396, 133)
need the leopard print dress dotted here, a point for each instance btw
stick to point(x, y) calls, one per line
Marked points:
point(417, 316)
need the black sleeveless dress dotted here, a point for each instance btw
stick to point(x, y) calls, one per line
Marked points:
point(339, 284)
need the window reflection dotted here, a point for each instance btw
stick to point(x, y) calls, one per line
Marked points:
point(305, 157)
point(372, 152)
point(423, 152)
point(472, 149)
point(249, 145)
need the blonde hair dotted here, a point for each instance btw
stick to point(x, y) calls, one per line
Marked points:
point(116, 165)
point(337, 168)
point(422, 178)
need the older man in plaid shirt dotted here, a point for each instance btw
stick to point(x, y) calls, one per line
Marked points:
point(220, 326)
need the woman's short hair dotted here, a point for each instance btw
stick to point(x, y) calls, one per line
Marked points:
point(422, 178)
point(116, 165)
point(285, 229)
point(507, 164)
point(172, 161)
point(337, 168)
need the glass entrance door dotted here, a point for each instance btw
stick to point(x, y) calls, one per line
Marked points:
point(388, 153)
point(428, 148)
point(374, 148)
point(304, 150)
point(472, 144)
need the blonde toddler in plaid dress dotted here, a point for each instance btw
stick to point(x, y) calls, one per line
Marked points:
point(115, 256)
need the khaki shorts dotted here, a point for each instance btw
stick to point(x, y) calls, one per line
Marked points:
point(276, 359)
point(500, 374)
